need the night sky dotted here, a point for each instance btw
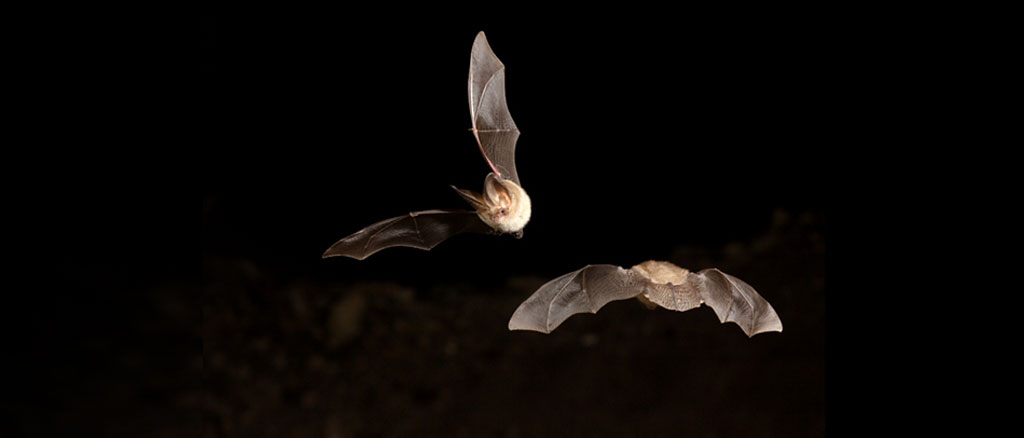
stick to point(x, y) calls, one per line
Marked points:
point(191, 284)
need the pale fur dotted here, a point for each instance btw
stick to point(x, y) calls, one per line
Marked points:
point(662, 272)
point(518, 210)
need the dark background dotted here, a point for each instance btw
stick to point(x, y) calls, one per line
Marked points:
point(201, 300)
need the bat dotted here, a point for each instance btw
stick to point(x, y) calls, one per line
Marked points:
point(502, 208)
point(656, 284)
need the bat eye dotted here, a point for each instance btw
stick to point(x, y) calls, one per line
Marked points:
point(503, 211)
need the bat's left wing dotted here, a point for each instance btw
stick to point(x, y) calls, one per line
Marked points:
point(582, 291)
point(419, 229)
point(493, 127)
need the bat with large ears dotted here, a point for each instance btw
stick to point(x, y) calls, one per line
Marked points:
point(654, 283)
point(502, 208)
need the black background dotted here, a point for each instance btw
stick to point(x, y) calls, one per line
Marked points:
point(190, 286)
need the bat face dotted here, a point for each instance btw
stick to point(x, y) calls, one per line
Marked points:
point(507, 207)
point(503, 206)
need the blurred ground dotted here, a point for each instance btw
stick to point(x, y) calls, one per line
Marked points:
point(271, 348)
point(295, 356)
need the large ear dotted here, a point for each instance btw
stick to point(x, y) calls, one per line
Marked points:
point(473, 198)
point(495, 192)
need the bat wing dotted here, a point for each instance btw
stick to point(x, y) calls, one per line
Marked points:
point(420, 229)
point(590, 288)
point(493, 127)
point(585, 290)
point(735, 301)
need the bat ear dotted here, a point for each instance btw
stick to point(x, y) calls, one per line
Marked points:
point(495, 192)
point(474, 199)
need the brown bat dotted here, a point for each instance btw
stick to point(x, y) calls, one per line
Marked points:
point(502, 208)
point(654, 283)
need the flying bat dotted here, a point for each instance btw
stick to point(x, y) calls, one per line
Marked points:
point(656, 284)
point(502, 208)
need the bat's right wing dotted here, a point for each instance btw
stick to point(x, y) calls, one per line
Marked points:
point(582, 291)
point(733, 300)
point(420, 229)
point(493, 127)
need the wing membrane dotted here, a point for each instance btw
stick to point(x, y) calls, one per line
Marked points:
point(495, 131)
point(582, 291)
point(420, 229)
point(733, 300)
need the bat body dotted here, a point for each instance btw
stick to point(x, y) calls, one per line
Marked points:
point(502, 208)
point(655, 283)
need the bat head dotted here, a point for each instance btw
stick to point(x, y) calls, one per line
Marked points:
point(505, 206)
